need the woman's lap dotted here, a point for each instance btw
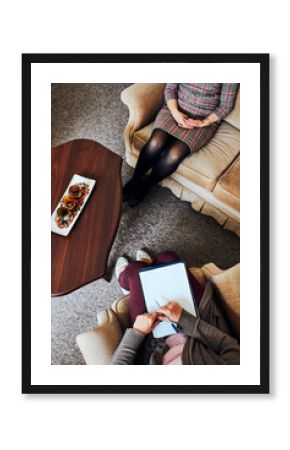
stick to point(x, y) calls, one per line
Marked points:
point(129, 280)
point(195, 138)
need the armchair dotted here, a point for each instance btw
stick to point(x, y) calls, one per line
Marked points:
point(99, 343)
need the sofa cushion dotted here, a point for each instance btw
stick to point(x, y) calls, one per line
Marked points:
point(228, 188)
point(204, 167)
point(207, 165)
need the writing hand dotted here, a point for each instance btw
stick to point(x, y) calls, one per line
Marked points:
point(171, 311)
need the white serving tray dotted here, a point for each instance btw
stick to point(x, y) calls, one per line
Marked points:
point(75, 180)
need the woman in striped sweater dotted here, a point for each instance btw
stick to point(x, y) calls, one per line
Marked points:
point(187, 121)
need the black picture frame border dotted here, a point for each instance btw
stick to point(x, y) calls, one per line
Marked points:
point(43, 58)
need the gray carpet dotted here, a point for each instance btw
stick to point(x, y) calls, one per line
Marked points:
point(162, 222)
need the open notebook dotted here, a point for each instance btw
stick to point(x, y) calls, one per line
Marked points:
point(165, 283)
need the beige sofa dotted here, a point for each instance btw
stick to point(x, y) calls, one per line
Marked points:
point(208, 179)
point(99, 343)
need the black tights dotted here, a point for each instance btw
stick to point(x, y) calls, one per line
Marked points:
point(163, 154)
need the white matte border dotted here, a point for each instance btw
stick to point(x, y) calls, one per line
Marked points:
point(248, 75)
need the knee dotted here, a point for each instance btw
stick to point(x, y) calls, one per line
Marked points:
point(167, 256)
point(157, 141)
point(135, 266)
point(176, 155)
point(154, 144)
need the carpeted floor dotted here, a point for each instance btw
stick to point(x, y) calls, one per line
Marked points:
point(162, 222)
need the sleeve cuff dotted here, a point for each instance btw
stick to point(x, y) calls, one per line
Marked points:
point(170, 96)
point(187, 321)
point(221, 114)
point(133, 337)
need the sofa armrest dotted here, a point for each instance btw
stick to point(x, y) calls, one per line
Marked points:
point(143, 101)
point(234, 117)
point(227, 285)
point(210, 269)
point(98, 344)
point(198, 274)
point(121, 308)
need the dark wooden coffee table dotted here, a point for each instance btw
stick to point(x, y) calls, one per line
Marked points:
point(81, 257)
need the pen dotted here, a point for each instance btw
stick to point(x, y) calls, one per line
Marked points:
point(175, 327)
point(157, 303)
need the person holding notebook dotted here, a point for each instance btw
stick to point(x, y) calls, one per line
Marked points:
point(201, 340)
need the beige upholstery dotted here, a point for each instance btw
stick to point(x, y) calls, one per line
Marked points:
point(142, 112)
point(208, 179)
point(228, 187)
point(234, 117)
point(99, 343)
point(227, 285)
point(203, 167)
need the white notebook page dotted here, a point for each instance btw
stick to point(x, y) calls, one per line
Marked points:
point(164, 284)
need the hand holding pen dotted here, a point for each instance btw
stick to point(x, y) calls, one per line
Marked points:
point(171, 311)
